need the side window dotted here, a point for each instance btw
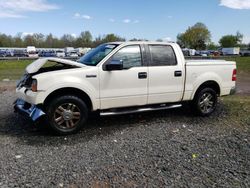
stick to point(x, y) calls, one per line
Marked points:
point(162, 55)
point(130, 56)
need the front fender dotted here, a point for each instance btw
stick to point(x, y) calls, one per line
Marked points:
point(48, 83)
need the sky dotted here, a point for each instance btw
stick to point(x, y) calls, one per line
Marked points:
point(144, 19)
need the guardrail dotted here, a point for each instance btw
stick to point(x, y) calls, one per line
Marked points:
point(31, 58)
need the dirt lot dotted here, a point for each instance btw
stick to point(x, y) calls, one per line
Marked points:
point(169, 148)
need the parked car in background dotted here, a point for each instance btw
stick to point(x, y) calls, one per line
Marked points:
point(60, 53)
point(72, 54)
point(67, 50)
point(47, 54)
point(6, 53)
point(188, 52)
point(20, 53)
point(82, 51)
point(9, 53)
point(231, 51)
point(119, 78)
point(245, 52)
point(3, 53)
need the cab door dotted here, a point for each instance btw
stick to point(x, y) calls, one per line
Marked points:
point(125, 86)
point(166, 75)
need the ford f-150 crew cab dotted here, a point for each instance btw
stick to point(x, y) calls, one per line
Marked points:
point(118, 78)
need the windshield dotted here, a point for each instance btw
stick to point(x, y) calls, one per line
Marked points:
point(93, 57)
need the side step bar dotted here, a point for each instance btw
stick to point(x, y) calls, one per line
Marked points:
point(138, 110)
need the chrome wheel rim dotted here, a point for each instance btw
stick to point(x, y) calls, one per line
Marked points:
point(67, 116)
point(206, 102)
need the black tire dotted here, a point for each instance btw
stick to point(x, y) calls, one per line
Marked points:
point(67, 114)
point(205, 101)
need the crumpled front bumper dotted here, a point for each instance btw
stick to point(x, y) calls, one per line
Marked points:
point(28, 110)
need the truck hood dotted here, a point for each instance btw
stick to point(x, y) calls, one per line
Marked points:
point(36, 65)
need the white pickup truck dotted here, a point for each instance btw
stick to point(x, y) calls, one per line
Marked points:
point(118, 78)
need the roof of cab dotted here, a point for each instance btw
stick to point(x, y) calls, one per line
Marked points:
point(140, 42)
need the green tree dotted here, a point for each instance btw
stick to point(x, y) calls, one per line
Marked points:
point(6, 40)
point(39, 39)
point(84, 40)
point(195, 37)
point(212, 46)
point(68, 40)
point(112, 38)
point(228, 41)
point(29, 40)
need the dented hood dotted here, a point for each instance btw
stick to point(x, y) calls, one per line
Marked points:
point(36, 65)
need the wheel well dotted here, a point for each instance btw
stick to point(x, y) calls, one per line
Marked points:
point(209, 84)
point(70, 91)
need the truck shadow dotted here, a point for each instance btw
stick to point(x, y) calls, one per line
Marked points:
point(38, 134)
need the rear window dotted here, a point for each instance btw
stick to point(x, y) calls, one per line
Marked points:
point(162, 55)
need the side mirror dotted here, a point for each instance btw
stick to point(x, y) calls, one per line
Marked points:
point(114, 65)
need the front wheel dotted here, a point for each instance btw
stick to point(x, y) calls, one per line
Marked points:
point(205, 101)
point(67, 114)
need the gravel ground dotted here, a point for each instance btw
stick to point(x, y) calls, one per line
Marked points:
point(158, 149)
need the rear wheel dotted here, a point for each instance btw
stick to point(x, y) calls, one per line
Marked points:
point(67, 114)
point(205, 101)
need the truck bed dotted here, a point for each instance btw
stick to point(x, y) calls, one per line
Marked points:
point(198, 71)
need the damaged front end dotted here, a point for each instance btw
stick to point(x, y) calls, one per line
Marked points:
point(28, 110)
point(26, 88)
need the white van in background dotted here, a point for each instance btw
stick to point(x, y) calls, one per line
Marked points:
point(60, 53)
point(31, 52)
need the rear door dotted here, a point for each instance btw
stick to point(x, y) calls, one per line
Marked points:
point(166, 75)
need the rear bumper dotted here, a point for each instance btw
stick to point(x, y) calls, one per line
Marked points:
point(28, 110)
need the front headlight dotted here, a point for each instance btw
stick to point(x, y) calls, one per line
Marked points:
point(34, 85)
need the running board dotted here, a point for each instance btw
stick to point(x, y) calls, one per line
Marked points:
point(139, 110)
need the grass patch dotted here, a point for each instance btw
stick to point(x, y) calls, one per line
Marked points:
point(13, 70)
point(238, 109)
point(243, 64)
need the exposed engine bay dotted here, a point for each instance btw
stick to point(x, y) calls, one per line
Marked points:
point(46, 65)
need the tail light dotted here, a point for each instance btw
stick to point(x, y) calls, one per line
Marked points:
point(234, 77)
point(34, 85)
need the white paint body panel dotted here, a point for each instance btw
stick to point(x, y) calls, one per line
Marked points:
point(163, 85)
point(123, 88)
point(200, 71)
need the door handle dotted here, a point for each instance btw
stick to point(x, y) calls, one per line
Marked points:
point(178, 73)
point(142, 75)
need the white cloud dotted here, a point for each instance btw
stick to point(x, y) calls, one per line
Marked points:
point(24, 34)
point(73, 35)
point(10, 15)
point(126, 21)
point(83, 16)
point(87, 17)
point(167, 39)
point(77, 15)
point(236, 4)
point(170, 17)
point(16, 8)
point(111, 20)
point(246, 40)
